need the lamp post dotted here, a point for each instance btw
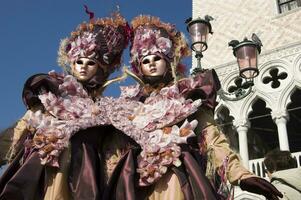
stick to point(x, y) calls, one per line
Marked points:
point(199, 29)
point(246, 52)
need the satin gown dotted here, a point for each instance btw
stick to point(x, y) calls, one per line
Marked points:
point(101, 163)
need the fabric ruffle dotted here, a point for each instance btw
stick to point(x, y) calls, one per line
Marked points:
point(152, 124)
point(66, 114)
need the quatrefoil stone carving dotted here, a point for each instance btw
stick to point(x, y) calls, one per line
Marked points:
point(239, 85)
point(275, 78)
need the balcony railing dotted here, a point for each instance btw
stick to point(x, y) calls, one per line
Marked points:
point(257, 166)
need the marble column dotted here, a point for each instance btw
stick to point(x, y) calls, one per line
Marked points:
point(281, 118)
point(242, 127)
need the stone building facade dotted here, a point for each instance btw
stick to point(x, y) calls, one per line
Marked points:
point(269, 117)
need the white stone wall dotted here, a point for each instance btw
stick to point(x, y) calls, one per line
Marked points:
point(281, 38)
point(235, 19)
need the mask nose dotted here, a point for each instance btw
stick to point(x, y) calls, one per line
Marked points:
point(84, 65)
point(81, 64)
point(152, 63)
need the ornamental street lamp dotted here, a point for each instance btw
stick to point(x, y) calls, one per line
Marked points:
point(199, 30)
point(246, 53)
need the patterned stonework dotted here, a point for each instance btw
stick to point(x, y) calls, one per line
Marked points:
point(281, 38)
point(279, 61)
point(235, 19)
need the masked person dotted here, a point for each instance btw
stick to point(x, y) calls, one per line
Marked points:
point(171, 164)
point(57, 144)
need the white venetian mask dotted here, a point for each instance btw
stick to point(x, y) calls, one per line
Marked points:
point(84, 68)
point(153, 65)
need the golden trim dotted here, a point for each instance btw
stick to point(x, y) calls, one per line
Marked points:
point(134, 76)
point(124, 75)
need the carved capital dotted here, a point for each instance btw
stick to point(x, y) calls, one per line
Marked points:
point(280, 114)
point(241, 123)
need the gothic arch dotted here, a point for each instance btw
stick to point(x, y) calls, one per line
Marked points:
point(292, 92)
point(297, 69)
point(285, 98)
point(262, 134)
point(249, 102)
point(293, 124)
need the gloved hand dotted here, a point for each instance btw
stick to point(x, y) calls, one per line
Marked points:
point(36, 85)
point(260, 186)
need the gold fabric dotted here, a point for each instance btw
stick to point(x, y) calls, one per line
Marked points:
point(217, 148)
point(19, 130)
point(57, 184)
point(114, 147)
point(167, 188)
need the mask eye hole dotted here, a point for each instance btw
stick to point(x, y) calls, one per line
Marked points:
point(79, 62)
point(157, 58)
point(146, 61)
point(91, 63)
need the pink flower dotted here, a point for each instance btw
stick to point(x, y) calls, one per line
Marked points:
point(162, 109)
point(164, 44)
point(147, 42)
point(70, 112)
point(130, 91)
point(153, 164)
point(83, 45)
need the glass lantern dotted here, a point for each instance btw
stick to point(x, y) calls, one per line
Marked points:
point(199, 30)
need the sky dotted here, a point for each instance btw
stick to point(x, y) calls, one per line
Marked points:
point(31, 30)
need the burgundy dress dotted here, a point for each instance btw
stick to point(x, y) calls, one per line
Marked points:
point(191, 174)
point(88, 177)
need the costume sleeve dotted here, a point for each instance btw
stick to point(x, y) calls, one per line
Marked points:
point(220, 156)
point(33, 87)
point(5, 143)
point(12, 140)
point(20, 132)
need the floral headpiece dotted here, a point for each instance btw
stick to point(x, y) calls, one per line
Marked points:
point(102, 40)
point(151, 36)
